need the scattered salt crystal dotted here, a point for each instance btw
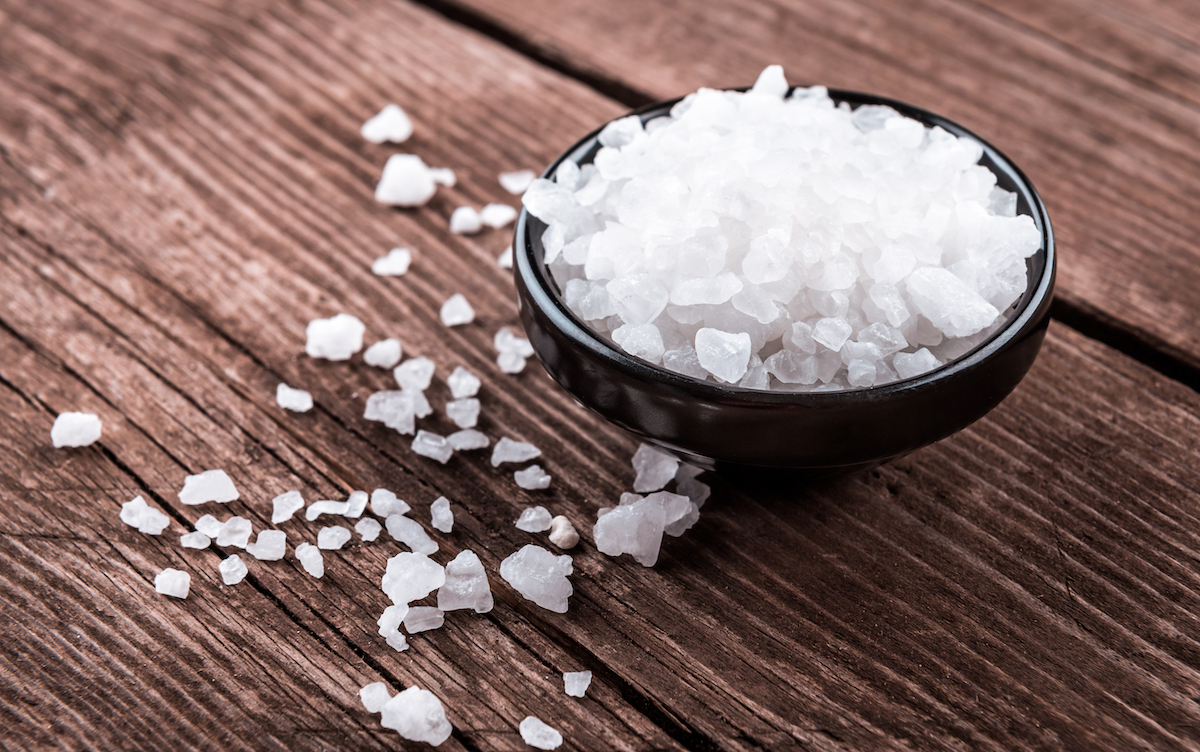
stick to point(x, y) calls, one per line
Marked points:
point(637, 528)
point(497, 215)
point(532, 478)
point(208, 525)
point(326, 506)
point(334, 338)
point(423, 618)
point(505, 341)
point(395, 409)
point(695, 490)
point(443, 176)
point(467, 439)
point(384, 503)
point(233, 570)
point(534, 520)
point(389, 626)
point(137, 513)
point(391, 124)
point(655, 468)
point(194, 540)
point(462, 383)
point(394, 264)
point(464, 412)
point(517, 181)
point(173, 582)
point(563, 533)
point(374, 696)
point(383, 354)
point(234, 532)
point(576, 683)
point(510, 362)
point(406, 181)
point(411, 576)
point(356, 504)
point(538, 734)
point(271, 545)
point(433, 446)
point(456, 311)
point(332, 538)
point(466, 585)
point(285, 505)
point(410, 533)
point(505, 259)
point(415, 374)
point(540, 576)
point(310, 558)
point(210, 485)
point(418, 716)
point(442, 518)
point(465, 220)
point(507, 450)
point(296, 400)
point(368, 528)
point(75, 430)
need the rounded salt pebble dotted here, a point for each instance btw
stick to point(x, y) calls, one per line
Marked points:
point(173, 582)
point(415, 374)
point(538, 734)
point(394, 264)
point(563, 533)
point(296, 400)
point(467, 440)
point(391, 124)
point(233, 570)
point(369, 529)
point(510, 362)
point(465, 220)
point(75, 430)
point(456, 311)
point(383, 354)
point(464, 412)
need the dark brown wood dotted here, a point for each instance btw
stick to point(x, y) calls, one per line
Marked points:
point(184, 187)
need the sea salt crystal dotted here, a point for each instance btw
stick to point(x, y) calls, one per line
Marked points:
point(415, 374)
point(465, 220)
point(576, 683)
point(517, 181)
point(532, 478)
point(208, 525)
point(507, 450)
point(356, 504)
point(563, 533)
point(441, 517)
point(285, 505)
point(539, 576)
point(368, 528)
point(383, 354)
point(433, 446)
point(389, 626)
point(406, 181)
point(464, 412)
point(326, 506)
point(505, 341)
point(234, 532)
point(210, 485)
point(233, 570)
point(332, 538)
point(456, 311)
point(374, 696)
point(534, 520)
point(310, 558)
point(384, 503)
point(391, 124)
point(725, 355)
point(194, 540)
point(687, 484)
point(137, 513)
point(395, 409)
point(510, 362)
point(443, 176)
point(655, 468)
point(271, 545)
point(173, 582)
point(418, 716)
point(394, 264)
point(410, 533)
point(505, 259)
point(334, 338)
point(412, 576)
point(637, 528)
point(462, 383)
point(75, 430)
point(466, 585)
point(423, 618)
point(497, 215)
point(296, 400)
point(538, 734)
point(467, 440)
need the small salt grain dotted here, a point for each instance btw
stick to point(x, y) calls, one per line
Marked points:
point(417, 715)
point(423, 618)
point(456, 311)
point(137, 513)
point(510, 362)
point(233, 570)
point(576, 683)
point(210, 485)
point(406, 181)
point(534, 520)
point(507, 450)
point(465, 220)
point(462, 383)
point(173, 582)
point(394, 264)
point(538, 734)
point(464, 412)
point(234, 532)
point(335, 338)
point(296, 400)
point(505, 341)
point(415, 374)
point(563, 533)
point(410, 533)
point(433, 446)
point(332, 538)
point(369, 529)
point(442, 518)
point(443, 176)
point(389, 626)
point(539, 576)
point(655, 468)
point(391, 124)
point(517, 181)
point(395, 409)
point(466, 585)
point(285, 505)
point(271, 545)
point(384, 503)
point(411, 576)
point(505, 259)
point(374, 696)
point(532, 478)
point(208, 525)
point(467, 440)
point(194, 540)
point(310, 558)
point(497, 215)
point(383, 354)
point(75, 430)
point(326, 506)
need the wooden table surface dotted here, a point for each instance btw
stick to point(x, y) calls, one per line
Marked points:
point(183, 187)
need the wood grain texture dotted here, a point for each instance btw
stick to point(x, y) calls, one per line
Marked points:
point(184, 187)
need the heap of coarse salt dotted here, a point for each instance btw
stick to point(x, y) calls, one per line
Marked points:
point(785, 242)
point(335, 338)
point(391, 124)
point(540, 576)
point(75, 430)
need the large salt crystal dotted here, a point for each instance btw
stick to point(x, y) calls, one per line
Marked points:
point(910, 365)
point(432, 445)
point(285, 505)
point(655, 468)
point(423, 618)
point(391, 124)
point(383, 354)
point(332, 538)
point(507, 450)
point(576, 683)
point(497, 215)
point(195, 539)
point(406, 181)
point(540, 576)
point(412, 576)
point(516, 182)
point(235, 532)
point(389, 626)
point(441, 518)
point(534, 520)
point(637, 528)
point(296, 400)
point(467, 440)
point(456, 311)
point(394, 264)
point(270, 545)
point(385, 503)
point(949, 303)
point(233, 570)
point(532, 478)
point(395, 409)
point(334, 338)
point(464, 412)
point(208, 525)
point(466, 585)
point(537, 734)
point(410, 533)
point(374, 696)
point(465, 220)
point(462, 383)
point(418, 716)
point(310, 558)
point(210, 485)
point(563, 533)
point(75, 430)
point(368, 528)
point(173, 582)
point(725, 355)
point(137, 513)
point(415, 374)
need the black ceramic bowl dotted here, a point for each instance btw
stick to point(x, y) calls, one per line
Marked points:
point(825, 433)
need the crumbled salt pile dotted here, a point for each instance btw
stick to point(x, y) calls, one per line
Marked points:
point(505, 259)
point(233, 570)
point(517, 181)
point(423, 618)
point(467, 439)
point(389, 626)
point(456, 311)
point(466, 585)
point(334, 338)
point(296, 400)
point(310, 558)
point(782, 242)
point(384, 503)
point(410, 533)
point(465, 221)
point(538, 734)
point(383, 354)
point(563, 533)
point(442, 518)
point(374, 696)
point(406, 181)
point(235, 531)
point(75, 430)
point(137, 513)
point(208, 525)
point(637, 528)
point(532, 478)
point(194, 540)
point(285, 505)
point(539, 576)
point(464, 412)
point(507, 450)
point(432, 445)
point(415, 374)
point(418, 716)
point(655, 468)
point(173, 582)
point(497, 215)
point(271, 545)
point(394, 264)
point(391, 124)
point(210, 485)
point(411, 576)
point(368, 528)
point(534, 520)
point(462, 383)
point(332, 538)
point(576, 683)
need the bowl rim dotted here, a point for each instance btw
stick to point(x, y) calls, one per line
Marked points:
point(549, 298)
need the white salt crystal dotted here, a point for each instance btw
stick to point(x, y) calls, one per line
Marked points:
point(234, 532)
point(505, 341)
point(389, 626)
point(467, 439)
point(406, 181)
point(771, 82)
point(395, 409)
point(538, 734)
point(332, 538)
point(208, 525)
point(368, 528)
point(466, 585)
point(410, 533)
point(194, 540)
point(465, 220)
point(75, 430)
point(949, 303)
point(539, 576)
point(655, 468)
point(285, 505)
point(534, 520)
point(687, 484)
point(637, 528)
point(497, 215)
point(394, 264)
point(532, 478)
point(384, 503)
point(507, 450)
point(464, 412)
point(356, 504)
point(210, 485)
point(374, 696)
point(412, 576)
point(832, 332)
point(433, 446)
point(725, 355)
point(310, 558)
point(462, 383)
point(296, 400)
point(326, 506)
point(391, 124)
point(335, 338)
point(576, 683)
point(418, 716)
point(415, 374)
point(173, 582)
point(137, 513)
point(423, 618)
point(517, 181)
point(443, 176)
point(510, 362)
point(383, 354)
point(563, 533)
point(441, 517)
point(271, 545)
point(456, 311)
point(233, 570)
point(909, 365)
point(505, 259)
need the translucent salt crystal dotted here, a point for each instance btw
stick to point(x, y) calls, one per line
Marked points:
point(563, 533)
point(517, 181)
point(433, 446)
point(441, 517)
point(208, 525)
point(576, 683)
point(310, 558)
point(465, 220)
point(326, 506)
point(410, 533)
point(655, 468)
point(234, 532)
point(497, 215)
point(456, 311)
point(384, 503)
point(332, 538)
point(949, 303)
point(464, 412)
point(285, 505)
point(173, 582)
point(406, 181)
point(538, 734)
point(383, 354)
point(423, 618)
point(374, 696)
point(532, 478)
point(505, 341)
point(394, 264)
point(356, 504)
point(723, 354)
point(418, 716)
point(412, 576)
point(510, 362)
point(415, 373)
point(540, 576)
point(137, 513)
point(443, 176)
point(684, 522)
point(791, 367)
point(210, 485)
point(389, 626)
point(466, 585)
point(686, 483)
point(467, 439)
point(505, 259)
point(391, 124)
point(194, 540)
point(233, 570)
point(395, 409)
point(638, 528)
point(271, 545)
point(534, 520)
point(296, 400)
point(909, 365)
point(335, 338)
point(832, 332)
point(507, 450)
point(368, 528)
point(771, 82)
point(641, 341)
point(462, 383)
point(75, 430)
